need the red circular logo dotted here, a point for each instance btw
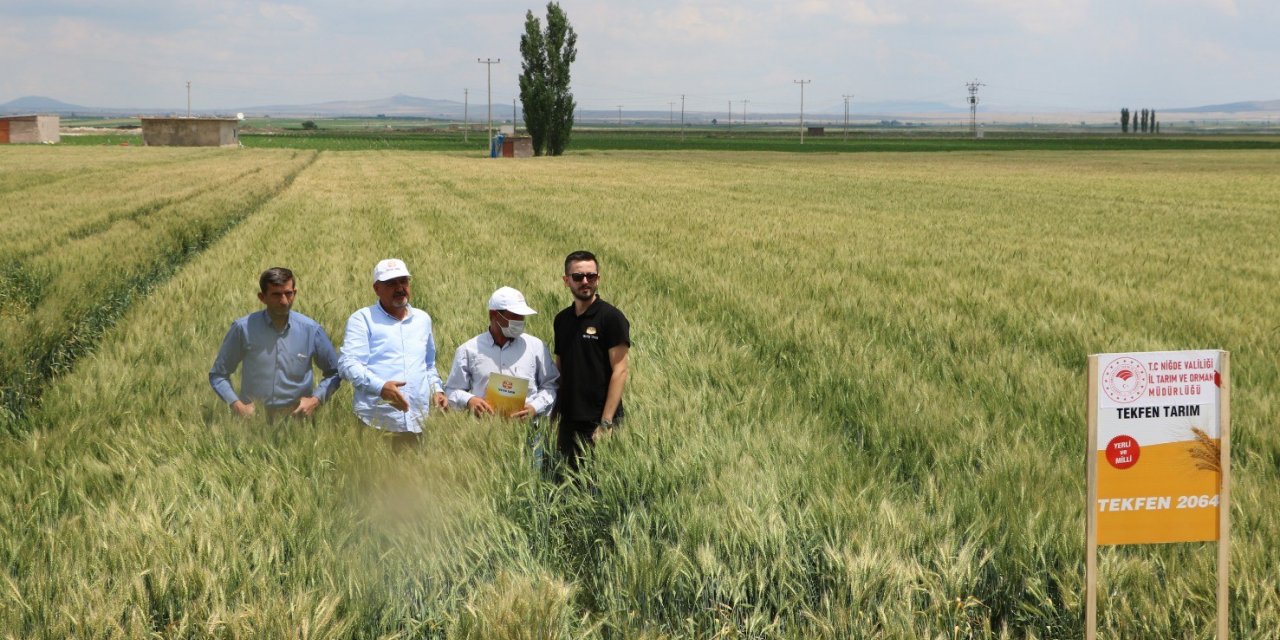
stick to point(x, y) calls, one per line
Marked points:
point(1124, 380)
point(1122, 452)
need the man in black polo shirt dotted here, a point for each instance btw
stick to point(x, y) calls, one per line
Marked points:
point(591, 345)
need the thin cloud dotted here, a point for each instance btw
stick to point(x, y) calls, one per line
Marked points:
point(133, 52)
point(288, 15)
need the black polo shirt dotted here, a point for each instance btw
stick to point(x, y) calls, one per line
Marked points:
point(583, 343)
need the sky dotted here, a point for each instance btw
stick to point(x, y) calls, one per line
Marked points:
point(643, 55)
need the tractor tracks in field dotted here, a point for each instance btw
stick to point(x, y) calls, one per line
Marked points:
point(47, 355)
point(19, 183)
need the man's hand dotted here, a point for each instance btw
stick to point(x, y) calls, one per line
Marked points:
point(306, 406)
point(440, 401)
point(479, 407)
point(242, 409)
point(603, 429)
point(391, 393)
point(526, 413)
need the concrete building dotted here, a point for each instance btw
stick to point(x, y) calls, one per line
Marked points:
point(190, 132)
point(517, 147)
point(31, 129)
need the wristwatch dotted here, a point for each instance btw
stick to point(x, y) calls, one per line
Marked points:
point(606, 423)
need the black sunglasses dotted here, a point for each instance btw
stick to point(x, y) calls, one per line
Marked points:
point(589, 277)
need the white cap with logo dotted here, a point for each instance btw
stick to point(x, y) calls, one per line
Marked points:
point(508, 299)
point(389, 269)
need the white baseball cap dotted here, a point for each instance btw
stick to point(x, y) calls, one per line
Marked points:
point(508, 299)
point(389, 269)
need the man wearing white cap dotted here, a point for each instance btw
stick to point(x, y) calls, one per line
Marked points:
point(507, 350)
point(389, 356)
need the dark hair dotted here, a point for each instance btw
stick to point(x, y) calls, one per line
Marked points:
point(579, 256)
point(276, 276)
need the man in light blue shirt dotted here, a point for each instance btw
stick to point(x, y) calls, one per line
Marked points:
point(389, 356)
point(277, 347)
point(503, 349)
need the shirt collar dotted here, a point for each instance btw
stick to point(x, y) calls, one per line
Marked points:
point(266, 319)
point(593, 309)
point(486, 339)
point(378, 306)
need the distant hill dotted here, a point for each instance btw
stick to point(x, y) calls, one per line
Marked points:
point(398, 105)
point(41, 104)
point(38, 104)
point(894, 107)
point(1232, 107)
point(402, 106)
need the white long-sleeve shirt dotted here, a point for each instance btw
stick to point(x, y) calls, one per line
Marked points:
point(378, 348)
point(523, 357)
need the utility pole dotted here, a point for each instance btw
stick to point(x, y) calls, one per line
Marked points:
point(466, 122)
point(619, 116)
point(671, 114)
point(682, 117)
point(188, 98)
point(515, 124)
point(488, 63)
point(744, 112)
point(802, 83)
point(731, 115)
point(847, 98)
point(973, 105)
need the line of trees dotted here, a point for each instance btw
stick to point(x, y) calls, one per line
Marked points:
point(1143, 121)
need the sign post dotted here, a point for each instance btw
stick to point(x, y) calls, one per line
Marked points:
point(1224, 509)
point(1158, 458)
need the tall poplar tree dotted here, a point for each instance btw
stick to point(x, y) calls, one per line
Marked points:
point(1124, 120)
point(544, 80)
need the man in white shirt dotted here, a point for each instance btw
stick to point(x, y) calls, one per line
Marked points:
point(503, 349)
point(389, 356)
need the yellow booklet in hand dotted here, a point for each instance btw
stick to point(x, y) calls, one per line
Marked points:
point(506, 393)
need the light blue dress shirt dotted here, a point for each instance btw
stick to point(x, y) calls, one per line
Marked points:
point(277, 364)
point(378, 348)
point(523, 357)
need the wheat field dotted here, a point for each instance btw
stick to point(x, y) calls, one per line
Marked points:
point(856, 406)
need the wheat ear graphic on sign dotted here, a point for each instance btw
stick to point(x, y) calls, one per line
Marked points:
point(1206, 452)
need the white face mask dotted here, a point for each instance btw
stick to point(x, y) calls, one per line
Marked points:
point(513, 329)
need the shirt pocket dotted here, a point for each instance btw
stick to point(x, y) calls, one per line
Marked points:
point(523, 369)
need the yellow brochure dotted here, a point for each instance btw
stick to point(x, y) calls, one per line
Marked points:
point(506, 393)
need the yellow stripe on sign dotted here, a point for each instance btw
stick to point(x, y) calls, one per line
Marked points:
point(1164, 497)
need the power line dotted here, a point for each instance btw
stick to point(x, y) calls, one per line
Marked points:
point(973, 105)
point(488, 63)
point(847, 98)
point(802, 83)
